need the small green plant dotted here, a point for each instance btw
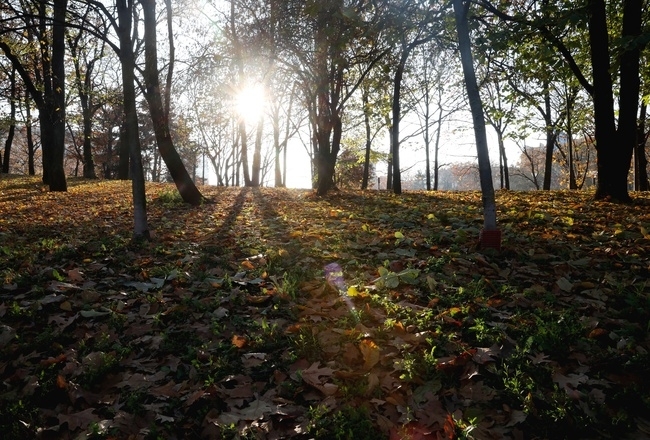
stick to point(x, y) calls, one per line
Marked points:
point(348, 423)
point(306, 344)
point(392, 280)
point(104, 364)
point(170, 198)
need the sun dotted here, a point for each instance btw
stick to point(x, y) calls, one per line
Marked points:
point(250, 102)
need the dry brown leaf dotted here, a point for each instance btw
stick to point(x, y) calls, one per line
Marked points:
point(370, 352)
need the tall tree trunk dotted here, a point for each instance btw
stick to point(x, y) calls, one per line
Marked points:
point(172, 57)
point(366, 157)
point(31, 169)
point(257, 153)
point(427, 136)
point(328, 123)
point(277, 147)
point(614, 148)
point(550, 138)
point(640, 159)
point(13, 98)
point(396, 112)
point(389, 172)
point(57, 181)
point(569, 134)
point(436, 151)
point(186, 187)
point(629, 91)
point(129, 134)
point(239, 63)
point(505, 173)
point(461, 9)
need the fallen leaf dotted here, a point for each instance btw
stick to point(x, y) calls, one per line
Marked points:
point(239, 341)
point(370, 352)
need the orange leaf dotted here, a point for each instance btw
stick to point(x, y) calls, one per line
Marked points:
point(239, 341)
point(370, 352)
point(61, 382)
point(450, 428)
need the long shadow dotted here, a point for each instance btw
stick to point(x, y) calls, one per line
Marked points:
point(275, 228)
point(225, 239)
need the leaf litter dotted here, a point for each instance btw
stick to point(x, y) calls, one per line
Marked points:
point(272, 313)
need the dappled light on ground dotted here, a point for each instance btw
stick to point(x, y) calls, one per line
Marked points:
point(277, 314)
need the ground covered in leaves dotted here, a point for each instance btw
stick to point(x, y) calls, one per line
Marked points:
point(269, 314)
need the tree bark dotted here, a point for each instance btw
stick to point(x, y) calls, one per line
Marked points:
point(57, 179)
point(186, 187)
point(640, 159)
point(396, 112)
point(461, 9)
point(614, 149)
point(12, 121)
point(550, 138)
point(366, 157)
point(257, 154)
point(129, 135)
point(31, 169)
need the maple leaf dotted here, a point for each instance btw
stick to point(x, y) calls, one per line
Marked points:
point(317, 377)
point(80, 420)
point(370, 352)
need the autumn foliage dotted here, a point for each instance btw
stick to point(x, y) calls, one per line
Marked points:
point(276, 314)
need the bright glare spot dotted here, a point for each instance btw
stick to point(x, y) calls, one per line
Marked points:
point(250, 102)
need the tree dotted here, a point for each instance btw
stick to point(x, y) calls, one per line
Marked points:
point(490, 236)
point(83, 81)
point(438, 98)
point(412, 25)
point(129, 134)
point(46, 82)
point(186, 187)
point(13, 98)
point(614, 141)
point(340, 36)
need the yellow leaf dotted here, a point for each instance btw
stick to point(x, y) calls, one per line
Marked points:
point(352, 291)
point(370, 352)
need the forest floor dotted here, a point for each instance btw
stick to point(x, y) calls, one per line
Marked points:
point(270, 314)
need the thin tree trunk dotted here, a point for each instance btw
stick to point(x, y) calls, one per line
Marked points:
point(129, 135)
point(277, 148)
point(427, 136)
point(640, 159)
point(12, 121)
point(366, 158)
point(436, 151)
point(186, 187)
point(550, 138)
point(396, 111)
point(389, 173)
point(31, 169)
point(172, 58)
point(257, 153)
point(461, 10)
